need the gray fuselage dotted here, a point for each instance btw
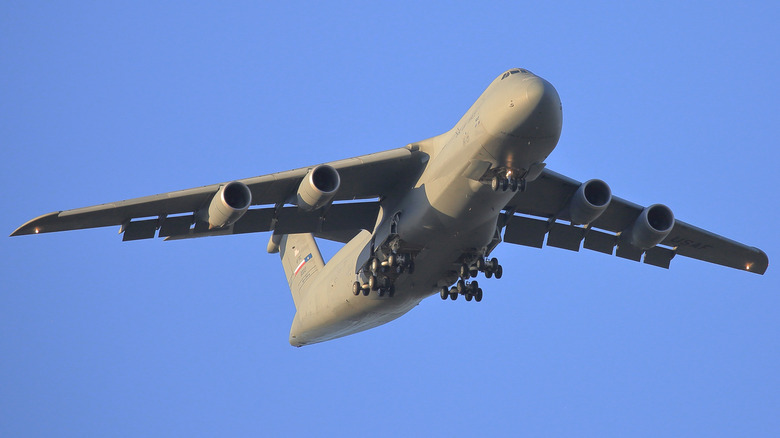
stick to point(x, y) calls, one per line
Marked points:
point(450, 212)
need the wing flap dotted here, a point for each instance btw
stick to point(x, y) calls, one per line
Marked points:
point(339, 221)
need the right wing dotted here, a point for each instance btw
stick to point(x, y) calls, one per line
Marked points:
point(547, 199)
point(174, 213)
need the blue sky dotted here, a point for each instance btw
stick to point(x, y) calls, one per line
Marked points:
point(102, 101)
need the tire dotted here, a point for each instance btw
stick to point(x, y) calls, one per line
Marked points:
point(444, 293)
point(499, 272)
point(356, 287)
point(469, 296)
point(478, 295)
point(372, 283)
point(454, 296)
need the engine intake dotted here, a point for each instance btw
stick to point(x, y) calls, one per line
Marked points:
point(318, 187)
point(589, 201)
point(228, 205)
point(651, 227)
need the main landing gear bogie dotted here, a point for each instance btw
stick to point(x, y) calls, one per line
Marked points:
point(489, 267)
point(471, 290)
point(380, 275)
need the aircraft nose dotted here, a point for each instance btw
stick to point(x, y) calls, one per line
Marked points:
point(540, 105)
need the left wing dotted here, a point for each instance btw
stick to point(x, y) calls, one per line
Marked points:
point(174, 214)
point(548, 199)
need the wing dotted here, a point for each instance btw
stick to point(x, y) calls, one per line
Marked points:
point(174, 214)
point(544, 206)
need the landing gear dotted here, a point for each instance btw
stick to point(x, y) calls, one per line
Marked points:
point(380, 275)
point(470, 269)
point(507, 182)
point(468, 290)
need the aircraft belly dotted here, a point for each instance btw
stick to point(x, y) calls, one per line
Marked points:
point(343, 313)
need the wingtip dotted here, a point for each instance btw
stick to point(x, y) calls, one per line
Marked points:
point(762, 263)
point(34, 226)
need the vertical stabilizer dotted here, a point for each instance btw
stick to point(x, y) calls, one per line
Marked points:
point(302, 262)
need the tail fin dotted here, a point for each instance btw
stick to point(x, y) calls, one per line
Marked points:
point(302, 262)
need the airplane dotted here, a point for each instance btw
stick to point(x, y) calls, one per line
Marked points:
point(420, 220)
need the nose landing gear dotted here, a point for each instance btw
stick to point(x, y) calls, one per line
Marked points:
point(505, 183)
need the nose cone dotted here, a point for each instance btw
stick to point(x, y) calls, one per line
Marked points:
point(539, 115)
point(525, 107)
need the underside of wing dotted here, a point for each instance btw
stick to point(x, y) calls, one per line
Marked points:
point(180, 214)
point(549, 209)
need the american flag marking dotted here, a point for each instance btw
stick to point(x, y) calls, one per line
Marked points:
point(303, 262)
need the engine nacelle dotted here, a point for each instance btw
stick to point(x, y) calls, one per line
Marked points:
point(590, 200)
point(228, 205)
point(318, 187)
point(651, 227)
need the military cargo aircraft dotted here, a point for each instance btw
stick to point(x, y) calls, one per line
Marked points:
point(419, 220)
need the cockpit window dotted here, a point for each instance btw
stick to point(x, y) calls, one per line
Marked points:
point(513, 72)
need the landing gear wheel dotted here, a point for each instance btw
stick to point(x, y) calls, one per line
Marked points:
point(480, 264)
point(453, 296)
point(372, 283)
point(469, 296)
point(513, 184)
point(488, 273)
point(499, 272)
point(460, 287)
point(495, 183)
point(356, 287)
point(444, 293)
point(473, 287)
point(366, 291)
point(504, 184)
point(493, 264)
point(464, 271)
point(478, 295)
point(391, 260)
point(381, 292)
point(375, 265)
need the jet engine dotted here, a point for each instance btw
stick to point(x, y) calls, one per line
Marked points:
point(651, 227)
point(589, 201)
point(318, 187)
point(228, 205)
